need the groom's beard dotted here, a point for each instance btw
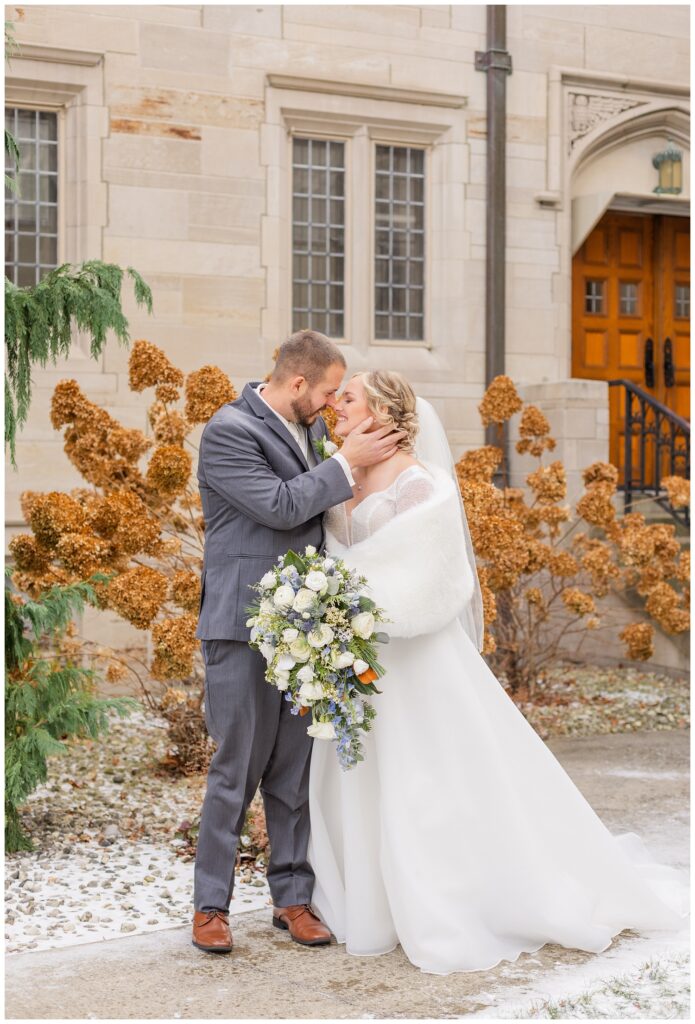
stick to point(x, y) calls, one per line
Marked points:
point(304, 412)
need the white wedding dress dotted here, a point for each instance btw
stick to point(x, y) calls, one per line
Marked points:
point(460, 836)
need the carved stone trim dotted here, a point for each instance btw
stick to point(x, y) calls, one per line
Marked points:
point(58, 55)
point(370, 92)
point(587, 109)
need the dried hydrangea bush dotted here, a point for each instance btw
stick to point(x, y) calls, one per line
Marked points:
point(544, 570)
point(141, 525)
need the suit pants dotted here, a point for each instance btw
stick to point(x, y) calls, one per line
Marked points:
point(258, 742)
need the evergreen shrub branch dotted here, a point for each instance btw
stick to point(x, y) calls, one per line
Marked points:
point(39, 322)
point(47, 701)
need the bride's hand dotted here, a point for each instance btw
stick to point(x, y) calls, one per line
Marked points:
point(363, 447)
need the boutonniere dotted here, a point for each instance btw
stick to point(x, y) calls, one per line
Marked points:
point(324, 447)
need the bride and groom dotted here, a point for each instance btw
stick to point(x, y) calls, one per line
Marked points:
point(522, 859)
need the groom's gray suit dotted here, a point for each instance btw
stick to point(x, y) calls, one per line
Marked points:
point(260, 497)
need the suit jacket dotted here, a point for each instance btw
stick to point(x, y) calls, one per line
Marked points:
point(259, 499)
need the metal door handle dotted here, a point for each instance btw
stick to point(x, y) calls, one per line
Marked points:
point(669, 368)
point(649, 363)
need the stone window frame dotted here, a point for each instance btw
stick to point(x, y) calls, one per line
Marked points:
point(361, 117)
point(69, 83)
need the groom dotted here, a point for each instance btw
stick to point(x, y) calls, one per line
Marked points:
point(263, 491)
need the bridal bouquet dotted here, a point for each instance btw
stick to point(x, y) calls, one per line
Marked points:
point(316, 630)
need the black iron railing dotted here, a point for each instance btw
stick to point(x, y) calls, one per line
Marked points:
point(663, 448)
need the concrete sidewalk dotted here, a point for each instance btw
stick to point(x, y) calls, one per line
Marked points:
point(634, 782)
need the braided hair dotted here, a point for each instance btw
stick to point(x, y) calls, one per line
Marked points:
point(391, 400)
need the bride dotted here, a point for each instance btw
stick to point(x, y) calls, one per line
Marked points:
point(451, 764)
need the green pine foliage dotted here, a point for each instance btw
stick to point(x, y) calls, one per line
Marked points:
point(39, 322)
point(48, 698)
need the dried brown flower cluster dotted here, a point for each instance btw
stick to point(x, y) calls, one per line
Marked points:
point(105, 453)
point(185, 590)
point(330, 418)
point(168, 425)
point(206, 390)
point(500, 401)
point(535, 432)
point(174, 647)
point(168, 470)
point(678, 490)
point(149, 368)
point(639, 640)
point(138, 594)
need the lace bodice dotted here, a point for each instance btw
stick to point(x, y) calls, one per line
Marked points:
point(412, 486)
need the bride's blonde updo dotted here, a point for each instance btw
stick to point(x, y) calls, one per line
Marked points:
point(391, 400)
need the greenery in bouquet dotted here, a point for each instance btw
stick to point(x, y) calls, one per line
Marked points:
point(316, 628)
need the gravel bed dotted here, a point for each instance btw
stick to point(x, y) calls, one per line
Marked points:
point(107, 860)
point(587, 700)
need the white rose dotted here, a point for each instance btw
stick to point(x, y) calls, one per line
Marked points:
point(316, 581)
point(288, 635)
point(300, 649)
point(309, 692)
point(282, 680)
point(283, 597)
point(332, 586)
point(360, 666)
point(285, 663)
point(363, 624)
point(310, 550)
point(267, 607)
point(320, 637)
point(305, 674)
point(322, 730)
point(343, 659)
point(330, 447)
point(268, 652)
point(268, 581)
point(328, 563)
point(303, 600)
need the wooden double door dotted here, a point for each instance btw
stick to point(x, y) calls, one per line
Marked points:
point(631, 315)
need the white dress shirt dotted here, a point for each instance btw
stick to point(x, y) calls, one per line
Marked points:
point(299, 432)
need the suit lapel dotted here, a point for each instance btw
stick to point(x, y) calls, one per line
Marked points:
point(262, 410)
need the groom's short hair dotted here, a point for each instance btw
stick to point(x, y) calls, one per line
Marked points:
point(307, 354)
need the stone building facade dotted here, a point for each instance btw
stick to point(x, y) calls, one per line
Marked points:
point(182, 135)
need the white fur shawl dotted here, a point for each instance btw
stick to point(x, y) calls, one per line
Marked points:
point(416, 565)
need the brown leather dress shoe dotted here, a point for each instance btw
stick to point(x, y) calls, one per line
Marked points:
point(211, 931)
point(302, 924)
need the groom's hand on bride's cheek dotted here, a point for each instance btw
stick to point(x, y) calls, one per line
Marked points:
point(365, 447)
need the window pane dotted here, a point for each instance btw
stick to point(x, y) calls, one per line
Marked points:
point(48, 126)
point(318, 245)
point(48, 158)
point(399, 216)
point(682, 300)
point(25, 277)
point(628, 298)
point(31, 215)
point(48, 250)
point(593, 296)
point(48, 188)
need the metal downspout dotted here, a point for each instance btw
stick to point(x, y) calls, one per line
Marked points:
point(496, 62)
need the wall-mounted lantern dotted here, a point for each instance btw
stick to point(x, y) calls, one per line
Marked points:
point(669, 164)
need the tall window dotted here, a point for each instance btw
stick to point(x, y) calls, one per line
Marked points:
point(31, 214)
point(318, 235)
point(399, 270)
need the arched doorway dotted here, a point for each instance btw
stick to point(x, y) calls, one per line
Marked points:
point(631, 312)
point(631, 279)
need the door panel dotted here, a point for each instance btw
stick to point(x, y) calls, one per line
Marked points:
point(631, 315)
